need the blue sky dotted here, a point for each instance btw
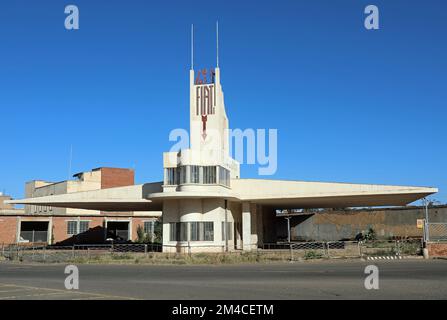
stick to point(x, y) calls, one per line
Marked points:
point(350, 105)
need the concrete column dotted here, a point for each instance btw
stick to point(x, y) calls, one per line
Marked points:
point(50, 231)
point(254, 226)
point(246, 226)
point(259, 227)
point(18, 229)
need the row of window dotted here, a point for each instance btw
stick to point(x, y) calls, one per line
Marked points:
point(197, 175)
point(37, 209)
point(77, 227)
point(197, 231)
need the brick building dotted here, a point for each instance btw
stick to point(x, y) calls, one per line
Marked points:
point(35, 224)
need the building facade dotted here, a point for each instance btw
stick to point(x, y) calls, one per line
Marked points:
point(206, 205)
point(54, 225)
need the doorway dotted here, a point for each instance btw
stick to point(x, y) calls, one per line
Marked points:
point(118, 231)
point(34, 231)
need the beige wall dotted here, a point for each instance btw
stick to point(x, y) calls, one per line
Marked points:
point(4, 206)
point(89, 181)
point(196, 210)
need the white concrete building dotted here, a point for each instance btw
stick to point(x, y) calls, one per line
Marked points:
point(206, 205)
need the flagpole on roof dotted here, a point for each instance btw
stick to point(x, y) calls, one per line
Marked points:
point(217, 42)
point(192, 46)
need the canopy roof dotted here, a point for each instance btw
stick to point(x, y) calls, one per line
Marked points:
point(275, 193)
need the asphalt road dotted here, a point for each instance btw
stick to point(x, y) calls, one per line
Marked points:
point(401, 279)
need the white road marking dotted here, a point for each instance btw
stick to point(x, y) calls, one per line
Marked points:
point(31, 295)
point(16, 290)
point(57, 292)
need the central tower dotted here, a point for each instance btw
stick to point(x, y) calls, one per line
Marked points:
point(207, 161)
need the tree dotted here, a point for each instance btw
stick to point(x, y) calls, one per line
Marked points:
point(141, 236)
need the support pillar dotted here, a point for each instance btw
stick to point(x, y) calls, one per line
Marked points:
point(246, 226)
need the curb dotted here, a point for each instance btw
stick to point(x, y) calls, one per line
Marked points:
point(389, 257)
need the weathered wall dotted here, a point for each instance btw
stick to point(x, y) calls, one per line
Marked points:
point(116, 177)
point(8, 229)
point(3, 205)
point(437, 250)
point(95, 234)
point(346, 224)
point(196, 210)
point(10, 226)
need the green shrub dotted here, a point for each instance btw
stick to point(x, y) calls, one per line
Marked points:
point(312, 254)
point(370, 234)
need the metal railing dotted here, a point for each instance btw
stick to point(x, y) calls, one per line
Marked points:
point(347, 249)
point(269, 251)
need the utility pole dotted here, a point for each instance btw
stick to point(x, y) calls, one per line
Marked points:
point(226, 225)
point(288, 228)
point(426, 233)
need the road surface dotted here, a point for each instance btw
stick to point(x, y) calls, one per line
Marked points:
point(398, 279)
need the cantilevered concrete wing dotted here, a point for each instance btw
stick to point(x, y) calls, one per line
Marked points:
point(303, 194)
point(275, 193)
point(129, 198)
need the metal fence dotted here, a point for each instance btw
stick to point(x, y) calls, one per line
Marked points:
point(268, 252)
point(347, 249)
point(436, 231)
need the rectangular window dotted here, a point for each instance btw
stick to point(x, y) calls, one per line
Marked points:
point(195, 174)
point(171, 176)
point(178, 231)
point(209, 175)
point(83, 226)
point(72, 227)
point(224, 176)
point(76, 227)
point(209, 231)
point(149, 227)
point(183, 231)
point(182, 174)
point(195, 231)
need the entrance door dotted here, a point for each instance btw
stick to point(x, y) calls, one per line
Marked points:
point(33, 231)
point(118, 231)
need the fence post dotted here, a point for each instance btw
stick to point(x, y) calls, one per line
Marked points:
point(73, 251)
point(145, 250)
point(291, 252)
point(44, 254)
point(327, 244)
point(360, 248)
